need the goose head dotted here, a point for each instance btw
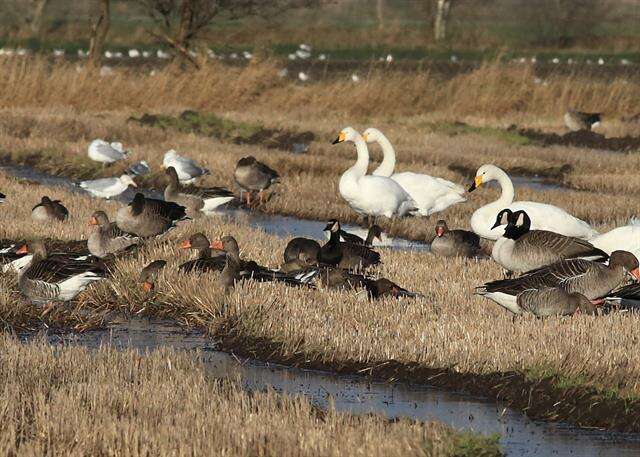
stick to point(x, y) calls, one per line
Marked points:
point(128, 181)
point(137, 204)
point(485, 173)
point(625, 260)
point(332, 226)
point(172, 174)
point(372, 135)
point(99, 218)
point(196, 241)
point(347, 134)
point(36, 247)
point(229, 245)
point(375, 232)
point(503, 218)
point(149, 274)
point(441, 228)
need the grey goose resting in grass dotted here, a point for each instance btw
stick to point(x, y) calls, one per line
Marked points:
point(48, 280)
point(348, 256)
point(300, 247)
point(147, 217)
point(252, 175)
point(195, 199)
point(149, 274)
point(454, 243)
point(106, 237)
point(592, 279)
point(578, 120)
point(521, 249)
point(205, 261)
point(554, 301)
point(49, 210)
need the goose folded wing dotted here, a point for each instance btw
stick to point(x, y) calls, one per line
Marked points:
point(203, 265)
point(54, 271)
point(267, 170)
point(351, 238)
point(368, 255)
point(167, 210)
point(117, 232)
point(206, 192)
point(566, 246)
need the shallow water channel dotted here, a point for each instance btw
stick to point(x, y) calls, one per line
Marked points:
point(520, 436)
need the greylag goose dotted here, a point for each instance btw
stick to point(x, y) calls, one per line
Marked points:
point(48, 280)
point(335, 278)
point(521, 249)
point(149, 274)
point(147, 217)
point(230, 274)
point(205, 261)
point(105, 153)
point(554, 301)
point(188, 171)
point(383, 287)
point(375, 232)
point(252, 175)
point(578, 120)
point(49, 210)
point(454, 243)
point(108, 187)
point(106, 238)
point(345, 255)
point(299, 247)
point(195, 199)
point(591, 279)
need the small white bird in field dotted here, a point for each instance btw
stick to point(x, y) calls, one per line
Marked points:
point(146, 54)
point(600, 61)
point(188, 171)
point(302, 76)
point(105, 153)
point(162, 54)
point(58, 52)
point(82, 53)
point(355, 78)
point(389, 58)
point(108, 187)
point(303, 54)
point(292, 57)
point(305, 47)
point(247, 55)
point(322, 57)
point(134, 53)
point(108, 54)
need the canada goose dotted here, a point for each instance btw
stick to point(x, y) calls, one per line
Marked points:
point(49, 210)
point(46, 280)
point(149, 274)
point(105, 153)
point(591, 279)
point(106, 238)
point(454, 243)
point(205, 260)
point(521, 249)
point(344, 255)
point(195, 199)
point(108, 187)
point(368, 195)
point(544, 217)
point(554, 301)
point(252, 175)
point(188, 171)
point(431, 194)
point(578, 120)
point(148, 217)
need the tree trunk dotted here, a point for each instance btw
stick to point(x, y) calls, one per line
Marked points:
point(442, 15)
point(99, 32)
point(38, 12)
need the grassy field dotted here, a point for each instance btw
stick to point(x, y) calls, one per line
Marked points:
point(583, 369)
point(69, 401)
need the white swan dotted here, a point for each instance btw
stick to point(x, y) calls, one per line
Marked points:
point(625, 238)
point(543, 216)
point(430, 194)
point(370, 195)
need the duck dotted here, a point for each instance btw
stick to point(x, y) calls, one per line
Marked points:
point(521, 249)
point(626, 238)
point(188, 171)
point(554, 301)
point(47, 280)
point(205, 261)
point(592, 279)
point(298, 247)
point(149, 275)
point(252, 175)
point(345, 255)
point(578, 120)
point(454, 243)
point(368, 195)
point(195, 199)
point(543, 216)
point(106, 153)
point(49, 210)
point(431, 194)
point(106, 237)
point(147, 217)
point(108, 187)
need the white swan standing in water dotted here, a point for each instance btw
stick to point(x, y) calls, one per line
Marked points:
point(370, 195)
point(430, 194)
point(543, 216)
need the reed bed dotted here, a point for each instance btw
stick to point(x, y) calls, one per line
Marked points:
point(71, 401)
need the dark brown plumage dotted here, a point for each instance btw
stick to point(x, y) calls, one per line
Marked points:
point(149, 274)
point(49, 210)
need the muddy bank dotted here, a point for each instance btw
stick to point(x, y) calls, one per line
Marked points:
point(539, 399)
point(550, 175)
point(208, 124)
point(581, 139)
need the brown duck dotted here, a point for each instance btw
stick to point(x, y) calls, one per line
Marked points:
point(49, 210)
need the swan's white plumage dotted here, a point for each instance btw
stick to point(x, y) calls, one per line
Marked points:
point(371, 195)
point(431, 194)
point(543, 216)
point(626, 238)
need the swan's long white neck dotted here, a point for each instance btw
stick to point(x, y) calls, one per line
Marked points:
point(508, 193)
point(388, 163)
point(362, 163)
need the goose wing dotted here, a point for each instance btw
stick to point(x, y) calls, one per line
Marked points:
point(368, 255)
point(566, 247)
point(52, 270)
point(206, 192)
point(166, 210)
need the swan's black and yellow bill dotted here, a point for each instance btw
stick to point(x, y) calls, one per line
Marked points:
point(476, 183)
point(340, 139)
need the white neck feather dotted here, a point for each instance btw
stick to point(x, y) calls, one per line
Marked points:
point(388, 163)
point(361, 165)
point(508, 193)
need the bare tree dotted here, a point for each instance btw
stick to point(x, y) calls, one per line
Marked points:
point(99, 31)
point(443, 7)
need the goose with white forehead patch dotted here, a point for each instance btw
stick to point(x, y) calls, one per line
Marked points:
point(371, 195)
point(543, 216)
point(431, 194)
